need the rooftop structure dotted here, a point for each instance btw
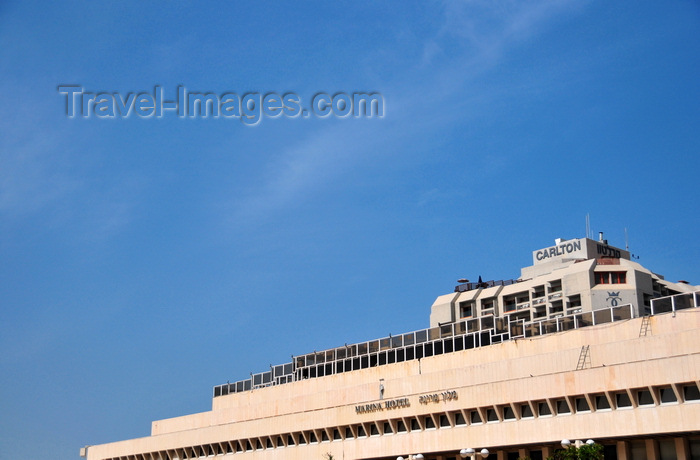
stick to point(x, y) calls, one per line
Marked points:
point(514, 367)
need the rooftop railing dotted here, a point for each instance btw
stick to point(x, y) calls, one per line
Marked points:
point(463, 287)
point(675, 302)
point(446, 338)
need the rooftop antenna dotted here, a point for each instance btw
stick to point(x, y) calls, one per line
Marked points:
point(627, 241)
point(588, 227)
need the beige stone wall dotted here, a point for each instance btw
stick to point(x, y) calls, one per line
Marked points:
point(518, 371)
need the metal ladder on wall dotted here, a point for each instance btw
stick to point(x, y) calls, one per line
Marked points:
point(584, 359)
point(645, 327)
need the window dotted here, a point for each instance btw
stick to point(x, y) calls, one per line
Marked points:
point(475, 417)
point(582, 405)
point(508, 413)
point(491, 415)
point(644, 398)
point(525, 411)
point(667, 395)
point(638, 449)
point(562, 407)
point(667, 449)
point(538, 291)
point(601, 403)
point(690, 392)
point(610, 277)
point(555, 286)
point(466, 309)
point(575, 301)
point(444, 421)
point(543, 409)
point(488, 304)
point(622, 399)
point(509, 303)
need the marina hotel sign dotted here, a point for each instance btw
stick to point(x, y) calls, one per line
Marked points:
point(581, 248)
point(445, 396)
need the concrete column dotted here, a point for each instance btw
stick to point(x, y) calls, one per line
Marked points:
point(547, 451)
point(522, 453)
point(623, 451)
point(682, 449)
point(652, 449)
point(500, 455)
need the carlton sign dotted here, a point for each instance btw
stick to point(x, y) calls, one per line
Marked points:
point(568, 247)
point(582, 248)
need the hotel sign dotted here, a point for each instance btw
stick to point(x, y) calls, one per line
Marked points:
point(581, 248)
point(445, 396)
point(567, 247)
point(382, 405)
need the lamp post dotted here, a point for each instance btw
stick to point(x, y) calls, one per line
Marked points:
point(565, 443)
point(578, 449)
point(469, 452)
point(412, 457)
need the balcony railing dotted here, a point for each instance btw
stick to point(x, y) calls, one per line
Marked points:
point(446, 338)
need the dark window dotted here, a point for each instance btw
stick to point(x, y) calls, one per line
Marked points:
point(601, 402)
point(466, 309)
point(475, 417)
point(610, 452)
point(667, 395)
point(555, 286)
point(691, 393)
point(575, 301)
point(622, 399)
point(562, 407)
point(429, 422)
point(508, 413)
point(582, 405)
point(400, 427)
point(526, 411)
point(491, 415)
point(444, 421)
point(644, 398)
point(459, 419)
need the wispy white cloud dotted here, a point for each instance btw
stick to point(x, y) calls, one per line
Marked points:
point(424, 102)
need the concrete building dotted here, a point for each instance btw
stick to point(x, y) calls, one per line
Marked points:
point(573, 276)
point(508, 368)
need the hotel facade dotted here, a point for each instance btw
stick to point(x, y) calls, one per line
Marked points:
point(586, 344)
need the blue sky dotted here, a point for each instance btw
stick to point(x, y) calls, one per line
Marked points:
point(146, 260)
